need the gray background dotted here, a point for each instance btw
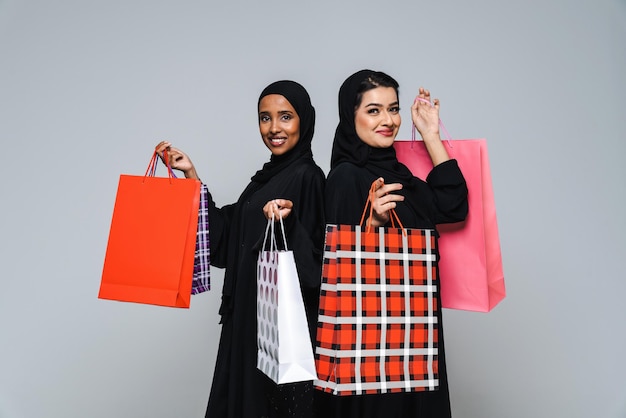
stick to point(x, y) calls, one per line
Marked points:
point(87, 88)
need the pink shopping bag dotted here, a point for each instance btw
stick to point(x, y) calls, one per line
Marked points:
point(470, 268)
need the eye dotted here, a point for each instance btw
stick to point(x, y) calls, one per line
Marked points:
point(264, 118)
point(394, 109)
point(372, 111)
point(286, 117)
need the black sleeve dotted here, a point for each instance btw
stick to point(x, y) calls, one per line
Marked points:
point(305, 228)
point(219, 225)
point(450, 192)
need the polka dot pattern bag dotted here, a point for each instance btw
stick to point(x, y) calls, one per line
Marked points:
point(285, 352)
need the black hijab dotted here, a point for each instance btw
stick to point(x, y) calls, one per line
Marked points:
point(348, 147)
point(301, 102)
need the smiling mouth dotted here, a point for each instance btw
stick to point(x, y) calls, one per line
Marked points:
point(278, 141)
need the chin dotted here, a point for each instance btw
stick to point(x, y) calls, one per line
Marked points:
point(386, 144)
point(278, 152)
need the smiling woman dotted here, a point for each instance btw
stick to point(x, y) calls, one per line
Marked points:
point(377, 119)
point(363, 155)
point(290, 185)
point(279, 124)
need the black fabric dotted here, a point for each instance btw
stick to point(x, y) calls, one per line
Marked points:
point(239, 390)
point(347, 147)
point(442, 198)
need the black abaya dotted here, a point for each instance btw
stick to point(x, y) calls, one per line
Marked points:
point(239, 390)
point(442, 199)
point(236, 232)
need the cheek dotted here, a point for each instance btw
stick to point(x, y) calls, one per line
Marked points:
point(397, 122)
point(294, 132)
point(361, 126)
point(295, 137)
point(359, 120)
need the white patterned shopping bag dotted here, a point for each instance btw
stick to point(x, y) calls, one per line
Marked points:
point(285, 352)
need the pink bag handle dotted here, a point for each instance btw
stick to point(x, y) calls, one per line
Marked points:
point(441, 125)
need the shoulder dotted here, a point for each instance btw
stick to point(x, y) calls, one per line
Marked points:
point(346, 171)
point(346, 191)
point(348, 180)
point(302, 176)
point(306, 172)
point(305, 168)
point(350, 176)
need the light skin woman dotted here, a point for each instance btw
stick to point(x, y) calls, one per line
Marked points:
point(362, 155)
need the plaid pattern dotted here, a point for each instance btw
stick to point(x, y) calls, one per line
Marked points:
point(377, 326)
point(202, 260)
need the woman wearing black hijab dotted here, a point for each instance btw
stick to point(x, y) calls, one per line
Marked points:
point(363, 152)
point(290, 183)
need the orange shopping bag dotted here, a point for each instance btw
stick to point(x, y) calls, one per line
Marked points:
point(150, 252)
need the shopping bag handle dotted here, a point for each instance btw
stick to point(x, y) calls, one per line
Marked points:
point(151, 170)
point(369, 203)
point(269, 230)
point(441, 125)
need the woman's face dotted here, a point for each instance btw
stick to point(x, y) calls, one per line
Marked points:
point(279, 124)
point(377, 119)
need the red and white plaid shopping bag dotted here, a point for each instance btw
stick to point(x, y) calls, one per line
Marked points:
point(377, 327)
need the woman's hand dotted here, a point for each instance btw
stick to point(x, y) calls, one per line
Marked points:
point(278, 207)
point(178, 160)
point(426, 120)
point(383, 201)
point(426, 115)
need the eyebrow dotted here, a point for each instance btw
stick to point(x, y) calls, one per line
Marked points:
point(380, 105)
point(280, 112)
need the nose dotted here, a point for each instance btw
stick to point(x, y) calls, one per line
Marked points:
point(387, 119)
point(274, 126)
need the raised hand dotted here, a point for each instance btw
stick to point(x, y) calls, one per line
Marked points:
point(426, 115)
point(426, 119)
point(178, 160)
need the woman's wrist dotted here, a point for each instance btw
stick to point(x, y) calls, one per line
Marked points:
point(191, 174)
point(372, 221)
point(431, 137)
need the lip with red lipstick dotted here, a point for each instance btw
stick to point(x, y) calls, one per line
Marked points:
point(385, 132)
